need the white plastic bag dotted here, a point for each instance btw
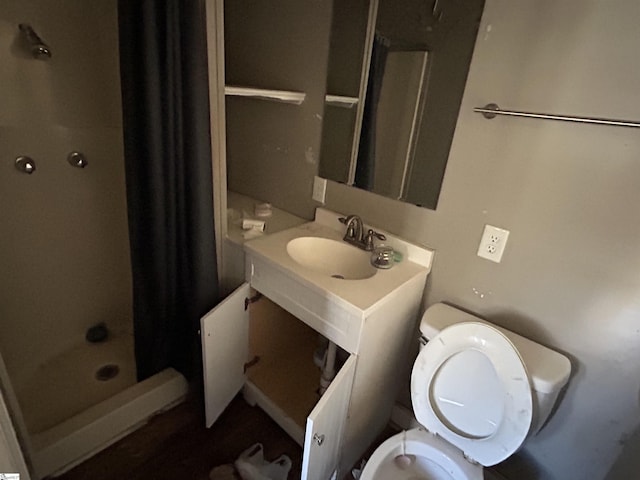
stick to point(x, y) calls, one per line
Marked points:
point(278, 469)
point(251, 465)
point(357, 472)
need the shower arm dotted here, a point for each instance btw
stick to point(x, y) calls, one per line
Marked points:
point(37, 47)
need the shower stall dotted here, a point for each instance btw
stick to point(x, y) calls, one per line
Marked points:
point(64, 248)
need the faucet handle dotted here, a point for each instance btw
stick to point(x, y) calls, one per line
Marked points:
point(368, 239)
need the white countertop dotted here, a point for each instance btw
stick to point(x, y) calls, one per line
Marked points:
point(241, 206)
point(363, 293)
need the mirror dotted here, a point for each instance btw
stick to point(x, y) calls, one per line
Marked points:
point(395, 81)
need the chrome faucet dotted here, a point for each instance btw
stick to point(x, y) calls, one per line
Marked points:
point(355, 233)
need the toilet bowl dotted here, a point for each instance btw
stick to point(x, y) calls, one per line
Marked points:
point(418, 454)
point(478, 391)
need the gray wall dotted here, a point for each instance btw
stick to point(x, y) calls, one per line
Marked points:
point(569, 194)
point(64, 249)
point(273, 148)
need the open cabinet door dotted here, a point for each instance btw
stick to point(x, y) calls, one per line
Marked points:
point(225, 345)
point(323, 434)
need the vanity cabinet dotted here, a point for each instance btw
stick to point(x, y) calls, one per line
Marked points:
point(263, 348)
point(261, 339)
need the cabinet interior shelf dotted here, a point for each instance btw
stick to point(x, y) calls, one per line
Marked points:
point(284, 96)
point(340, 101)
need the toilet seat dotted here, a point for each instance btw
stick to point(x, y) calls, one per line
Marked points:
point(432, 458)
point(470, 386)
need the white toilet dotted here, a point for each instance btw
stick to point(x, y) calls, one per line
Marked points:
point(478, 392)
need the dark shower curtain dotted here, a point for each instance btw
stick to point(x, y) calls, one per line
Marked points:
point(366, 164)
point(163, 67)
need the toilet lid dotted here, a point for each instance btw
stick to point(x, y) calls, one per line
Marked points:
point(470, 386)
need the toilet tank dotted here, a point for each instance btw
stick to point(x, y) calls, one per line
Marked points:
point(548, 370)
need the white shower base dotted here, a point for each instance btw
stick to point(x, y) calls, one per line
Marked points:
point(71, 415)
point(66, 385)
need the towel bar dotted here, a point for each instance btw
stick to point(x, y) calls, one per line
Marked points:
point(490, 111)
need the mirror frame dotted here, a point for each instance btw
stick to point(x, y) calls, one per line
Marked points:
point(440, 106)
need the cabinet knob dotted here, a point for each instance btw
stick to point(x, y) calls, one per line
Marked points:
point(318, 438)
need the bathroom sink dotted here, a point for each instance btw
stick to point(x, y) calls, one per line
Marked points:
point(333, 258)
point(311, 257)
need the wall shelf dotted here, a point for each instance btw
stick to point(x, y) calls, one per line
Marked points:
point(340, 101)
point(284, 96)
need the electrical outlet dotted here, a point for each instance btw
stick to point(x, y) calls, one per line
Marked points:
point(492, 243)
point(319, 189)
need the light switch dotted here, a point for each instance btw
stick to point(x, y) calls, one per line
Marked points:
point(319, 189)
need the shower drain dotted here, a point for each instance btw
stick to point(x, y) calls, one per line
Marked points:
point(107, 372)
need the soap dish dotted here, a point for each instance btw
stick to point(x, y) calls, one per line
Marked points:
point(382, 257)
point(262, 210)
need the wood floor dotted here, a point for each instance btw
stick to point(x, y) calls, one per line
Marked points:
point(176, 445)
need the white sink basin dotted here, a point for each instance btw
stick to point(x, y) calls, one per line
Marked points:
point(333, 258)
point(308, 255)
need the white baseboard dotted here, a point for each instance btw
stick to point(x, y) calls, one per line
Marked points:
point(82, 436)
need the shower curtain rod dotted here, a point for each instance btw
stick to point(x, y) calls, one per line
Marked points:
point(490, 111)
